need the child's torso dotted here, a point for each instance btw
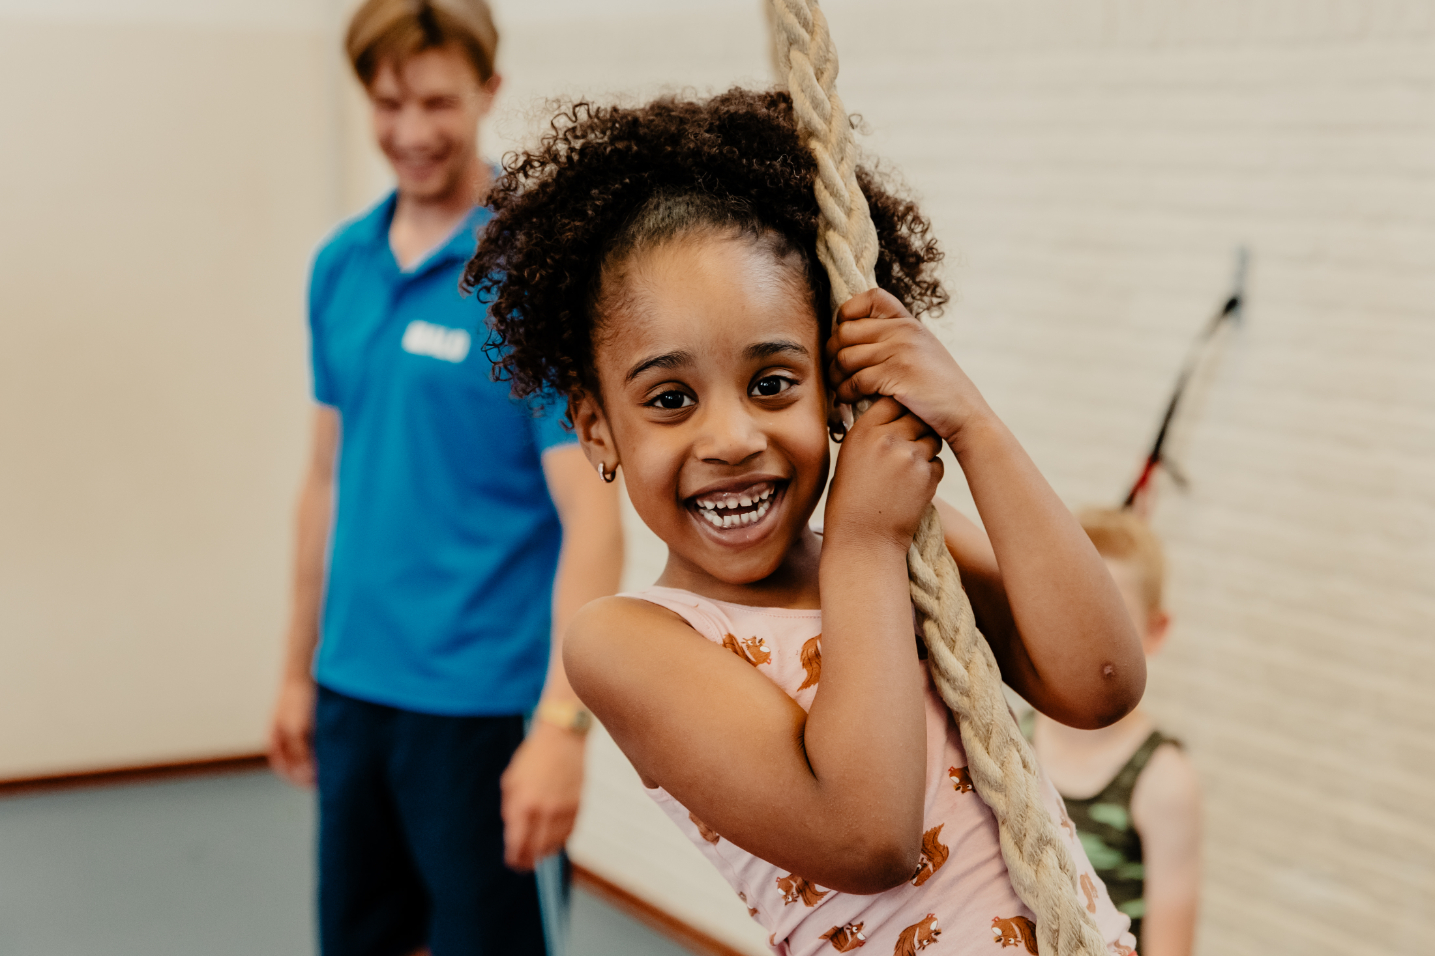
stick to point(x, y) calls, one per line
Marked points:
point(960, 895)
point(1108, 833)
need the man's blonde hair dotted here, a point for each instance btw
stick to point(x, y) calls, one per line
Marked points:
point(1122, 536)
point(394, 30)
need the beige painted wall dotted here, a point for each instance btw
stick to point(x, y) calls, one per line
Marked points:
point(167, 169)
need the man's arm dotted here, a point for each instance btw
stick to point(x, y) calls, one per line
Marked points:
point(1166, 809)
point(291, 752)
point(542, 784)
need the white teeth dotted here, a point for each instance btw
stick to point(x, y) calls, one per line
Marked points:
point(713, 510)
point(730, 501)
point(735, 520)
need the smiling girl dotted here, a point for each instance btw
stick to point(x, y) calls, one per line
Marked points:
point(658, 266)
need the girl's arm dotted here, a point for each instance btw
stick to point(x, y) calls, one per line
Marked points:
point(834, 795)
point(1049, 608)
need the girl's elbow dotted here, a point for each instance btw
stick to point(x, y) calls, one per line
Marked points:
point(877, 865)
point(1100, 700)
point(1120, 690)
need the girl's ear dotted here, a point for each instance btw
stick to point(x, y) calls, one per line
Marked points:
point(594, 435)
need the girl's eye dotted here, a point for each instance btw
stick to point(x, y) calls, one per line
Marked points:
point(672, 399)
point(770, 385)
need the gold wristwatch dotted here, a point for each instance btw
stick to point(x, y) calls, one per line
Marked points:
point(568, 714)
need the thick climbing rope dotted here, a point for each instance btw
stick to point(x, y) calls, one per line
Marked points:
point(1001, 764)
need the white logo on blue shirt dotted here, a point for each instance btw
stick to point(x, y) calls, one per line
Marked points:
point(436, 341)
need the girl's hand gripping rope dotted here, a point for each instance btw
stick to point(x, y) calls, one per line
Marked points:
point(885, 479)
point(1041, 594)
point(878, 348)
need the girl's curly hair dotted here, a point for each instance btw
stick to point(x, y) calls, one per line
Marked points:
point(607, 179)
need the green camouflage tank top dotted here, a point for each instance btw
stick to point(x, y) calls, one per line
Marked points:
point(1103, 823)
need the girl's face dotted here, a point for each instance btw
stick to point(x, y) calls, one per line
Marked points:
point(713, 401)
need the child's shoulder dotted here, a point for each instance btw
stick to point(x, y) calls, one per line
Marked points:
point(1169, 762)
point(1168, 785)
point(622, 636)
point(618, 617)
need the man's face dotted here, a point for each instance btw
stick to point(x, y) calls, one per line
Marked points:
point(426, 115)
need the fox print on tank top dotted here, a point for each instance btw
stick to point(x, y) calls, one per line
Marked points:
point(958, 901)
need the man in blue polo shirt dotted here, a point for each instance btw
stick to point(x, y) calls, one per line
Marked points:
point(434, 516)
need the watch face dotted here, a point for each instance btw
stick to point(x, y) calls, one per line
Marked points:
point(582, 719)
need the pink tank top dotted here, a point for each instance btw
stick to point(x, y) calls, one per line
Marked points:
point(959, 900)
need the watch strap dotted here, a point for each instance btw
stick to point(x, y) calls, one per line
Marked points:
point(568, 714)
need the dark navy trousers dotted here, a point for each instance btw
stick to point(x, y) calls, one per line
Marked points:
point(410, 836)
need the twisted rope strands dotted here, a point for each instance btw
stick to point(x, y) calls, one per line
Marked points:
point(1002, 766)
point(846, 238)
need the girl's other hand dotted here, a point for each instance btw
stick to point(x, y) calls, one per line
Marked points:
point(878, 348)
point(886, 476)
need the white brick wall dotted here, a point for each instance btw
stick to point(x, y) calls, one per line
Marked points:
point(1091, 167)
point(1094, 165)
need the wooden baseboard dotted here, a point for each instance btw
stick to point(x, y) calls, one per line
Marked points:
point(145, 773)
point(655, 918)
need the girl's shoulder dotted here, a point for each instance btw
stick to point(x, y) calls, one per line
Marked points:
point(617, 637)
point(638, 612)
point(712, 617)
point(617, 618)
point(637, 629)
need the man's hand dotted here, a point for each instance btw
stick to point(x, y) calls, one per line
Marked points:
point(541, 788)
point(291, 729)
point(291, 732)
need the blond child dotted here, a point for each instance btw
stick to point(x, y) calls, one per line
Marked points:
point(1129, 788)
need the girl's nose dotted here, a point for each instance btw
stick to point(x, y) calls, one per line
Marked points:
point(730, 434)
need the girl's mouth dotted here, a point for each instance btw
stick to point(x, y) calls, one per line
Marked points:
point(736, 508)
